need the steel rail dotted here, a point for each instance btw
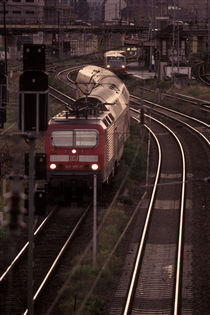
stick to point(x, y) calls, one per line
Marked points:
point(172, 110)
point(178, 264)
point(180, 235)
point(59, 99)
point(22, 251)
point(68, 69)
point(57, 259)
point(61, 93)
point(184, 115)
point(182, 97)
point(141, 245)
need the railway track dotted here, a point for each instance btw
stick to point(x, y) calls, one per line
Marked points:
point(154, 287)
point(156, 272)
point(51, 239)
point(203, 105)
point(64, 99)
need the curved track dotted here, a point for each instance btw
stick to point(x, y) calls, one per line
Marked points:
point(158, 251)
point(155, 283)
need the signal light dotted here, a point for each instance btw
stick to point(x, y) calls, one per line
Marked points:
point(40, 165)
point(54, 45)
point(33, 57)
point(39, 202)
point(53, 38)
point(33, 101)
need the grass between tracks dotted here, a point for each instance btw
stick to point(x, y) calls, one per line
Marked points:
point(193, 88)
point(82, 280)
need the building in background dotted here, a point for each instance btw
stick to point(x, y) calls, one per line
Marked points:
point(38, 11)
point(143, 11)
point(82, 10)
point(96, 11)
point(194, 11)
point(113, 11)
point(59, 12)
point(23, 11)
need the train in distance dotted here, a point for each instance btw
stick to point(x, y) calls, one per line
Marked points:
point(89, 137)
point(115, 60)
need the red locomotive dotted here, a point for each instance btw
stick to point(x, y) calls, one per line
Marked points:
point(89, 139)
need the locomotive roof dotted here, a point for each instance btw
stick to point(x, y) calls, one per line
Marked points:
point(114, 53)
point(65, 117)
point(99, 83)
point(105, 96)
point(91, 75)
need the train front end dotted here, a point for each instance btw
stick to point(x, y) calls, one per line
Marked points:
point(116, 62)
point(74, 151)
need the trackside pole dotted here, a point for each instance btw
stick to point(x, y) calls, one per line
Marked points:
point(94, 218)
point(33, 118)
point(30, 227)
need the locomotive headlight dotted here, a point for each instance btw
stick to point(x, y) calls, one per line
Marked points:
point(94, 167)
point(108, 66)
point(123, 66)
point(53, 166)
point(74, 151)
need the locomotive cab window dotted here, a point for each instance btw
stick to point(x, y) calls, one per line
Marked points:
point(86, 138)
point(62, 138)
point(74, 138)
point(115, 58)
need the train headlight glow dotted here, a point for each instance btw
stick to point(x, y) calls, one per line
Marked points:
point(108, 66)
point(94, 167)
point(74, 151)
point(53, 166)
point(123, 66)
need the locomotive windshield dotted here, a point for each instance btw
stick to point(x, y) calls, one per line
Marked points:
point(85, 138)
point(114, 58)
point(115, 61)
point(74, 138)
point(62, 138)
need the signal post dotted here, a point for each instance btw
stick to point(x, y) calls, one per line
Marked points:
point(33, 119)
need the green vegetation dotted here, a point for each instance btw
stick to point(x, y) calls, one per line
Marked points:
point(193, 88)
point(197, 90)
